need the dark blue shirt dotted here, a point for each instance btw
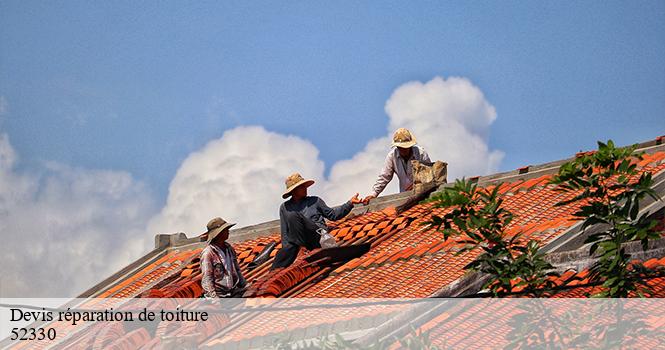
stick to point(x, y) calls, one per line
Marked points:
point(313, 208)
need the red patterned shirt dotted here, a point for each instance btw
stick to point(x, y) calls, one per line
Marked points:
point(221, 274)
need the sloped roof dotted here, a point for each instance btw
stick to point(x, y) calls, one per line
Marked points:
point(406, 259)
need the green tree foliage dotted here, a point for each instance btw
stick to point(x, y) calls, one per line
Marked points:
point(478, 220)
point(609, 189)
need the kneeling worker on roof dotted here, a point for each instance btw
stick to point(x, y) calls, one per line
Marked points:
point(398, 161)
point(302, 219)
point(221, 276)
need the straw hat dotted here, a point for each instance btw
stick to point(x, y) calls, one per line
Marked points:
point(403, 138)
point(294, 180)
point(217, 226)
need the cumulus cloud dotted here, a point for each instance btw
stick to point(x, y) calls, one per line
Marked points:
point(451, 119)
point(240, 176)
point(66, 228)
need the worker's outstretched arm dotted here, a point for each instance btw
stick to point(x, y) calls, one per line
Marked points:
point(334, 213)
point(385, 176)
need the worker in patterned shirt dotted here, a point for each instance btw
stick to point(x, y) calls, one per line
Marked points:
point(398, 161)
point(221, 275)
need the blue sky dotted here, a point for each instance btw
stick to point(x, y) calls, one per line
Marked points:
point(139, 86)
point(119, 120)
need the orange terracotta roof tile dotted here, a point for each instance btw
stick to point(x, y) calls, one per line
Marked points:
point(373, 232)
point(399, 220)
point(344, 231)
point(652, 263)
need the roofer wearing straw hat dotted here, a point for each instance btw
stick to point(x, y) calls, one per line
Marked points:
point(221, 276)
point(398, 161)
point(302, 219)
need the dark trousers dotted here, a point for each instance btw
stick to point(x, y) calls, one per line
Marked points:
point(301, 233)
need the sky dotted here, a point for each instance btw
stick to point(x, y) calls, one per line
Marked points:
point(119, 120)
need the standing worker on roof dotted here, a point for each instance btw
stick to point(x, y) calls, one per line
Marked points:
point(302, 219)
point(221, 276)
point(398, 161)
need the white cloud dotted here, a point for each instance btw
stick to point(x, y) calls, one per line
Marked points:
point(358, 173)
point(67, 228)
point(239, 177)
point(7, 153)
point(451, 119)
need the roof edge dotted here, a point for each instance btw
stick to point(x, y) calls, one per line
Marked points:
point(533, 171)
point(127, 270)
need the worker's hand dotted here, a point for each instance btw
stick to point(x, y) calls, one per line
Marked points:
point(367, 199)
point(355, 200)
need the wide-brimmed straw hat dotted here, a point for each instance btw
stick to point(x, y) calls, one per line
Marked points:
point(403, 138)
point(215, 227)
point(294, 180)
